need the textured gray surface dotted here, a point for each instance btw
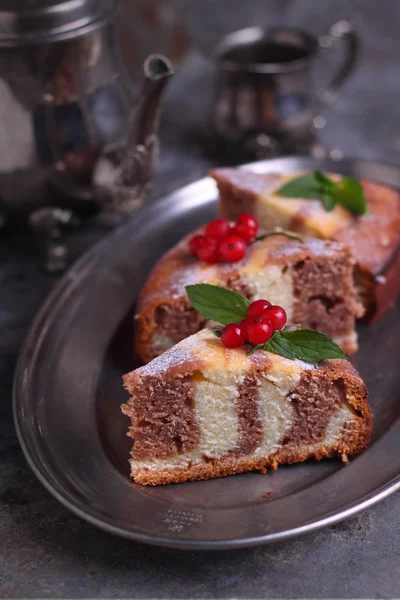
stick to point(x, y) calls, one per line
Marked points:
point(47, 552)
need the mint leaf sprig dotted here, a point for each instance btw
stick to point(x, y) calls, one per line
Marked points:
point(305, 344)
point(218, 304)
point(347, 192)
point(225, 306)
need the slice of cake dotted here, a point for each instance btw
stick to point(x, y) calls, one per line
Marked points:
point(374, 238)
point(311, 279)
point(201, 411)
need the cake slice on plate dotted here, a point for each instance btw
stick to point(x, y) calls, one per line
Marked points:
point(201, 410)
point(373, 238)
point(311, 279)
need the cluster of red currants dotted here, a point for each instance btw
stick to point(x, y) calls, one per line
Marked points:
point(222, 241)
point(257, 328)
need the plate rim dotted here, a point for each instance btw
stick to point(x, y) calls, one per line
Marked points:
point(37, 330)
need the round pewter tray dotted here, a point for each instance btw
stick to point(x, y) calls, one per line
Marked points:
point(68, 392)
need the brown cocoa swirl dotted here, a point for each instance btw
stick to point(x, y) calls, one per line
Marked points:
point(178, 319)
point(236, 284)
point(314, 399)
point(163, 418)
point(250, 426)
point(333, 309)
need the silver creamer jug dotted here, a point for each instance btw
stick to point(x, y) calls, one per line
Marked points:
point(72, 124)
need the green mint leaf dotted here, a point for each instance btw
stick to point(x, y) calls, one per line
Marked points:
point(217, 333)
point(351, 196)
point(305, 186)
point(327, 184)
point(312, 346)
point(217, 303)
point(267, 235)
point(328, 201)
point(278, 344)
point(347, 192)
point(304, 344)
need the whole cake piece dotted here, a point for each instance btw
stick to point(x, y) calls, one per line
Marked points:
point(372, 237)
point(311, 279)
point(201, 410)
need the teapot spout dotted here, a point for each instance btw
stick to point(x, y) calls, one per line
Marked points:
point(138, 164)
point(145, 114)
point(127, 172)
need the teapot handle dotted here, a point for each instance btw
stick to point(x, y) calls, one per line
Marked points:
point(340, 32)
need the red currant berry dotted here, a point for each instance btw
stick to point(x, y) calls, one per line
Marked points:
point(208, 252)
point(232, 248)
point(245, 323)
point(258, 331)
point(233, 336)
point(195, 243)
point(246, 227)
point(276, 315)
point(249, 322)
point(256, 308)
point(217, 229)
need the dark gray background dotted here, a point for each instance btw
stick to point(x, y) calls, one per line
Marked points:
point(47, 552)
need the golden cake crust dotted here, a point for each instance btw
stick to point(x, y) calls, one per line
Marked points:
point(232, 465)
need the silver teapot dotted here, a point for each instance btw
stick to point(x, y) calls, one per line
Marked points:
point(74, 131)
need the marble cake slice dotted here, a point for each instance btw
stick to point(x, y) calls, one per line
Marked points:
point(312, 279)
point(374, 239)
point(201, 411)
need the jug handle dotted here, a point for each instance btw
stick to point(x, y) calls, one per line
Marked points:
point(345, 32)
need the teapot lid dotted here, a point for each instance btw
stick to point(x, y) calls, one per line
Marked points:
point(40, 21)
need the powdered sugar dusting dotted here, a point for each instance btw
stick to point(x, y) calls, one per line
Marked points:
point(203, 351)
point(314, 246)
point(177, 269)
point(177, 356)
point(248, 179)
point(183, 355)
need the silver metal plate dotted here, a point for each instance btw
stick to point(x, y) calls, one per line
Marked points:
point(68, 393)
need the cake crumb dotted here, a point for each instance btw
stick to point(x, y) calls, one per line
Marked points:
point(267, 495)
